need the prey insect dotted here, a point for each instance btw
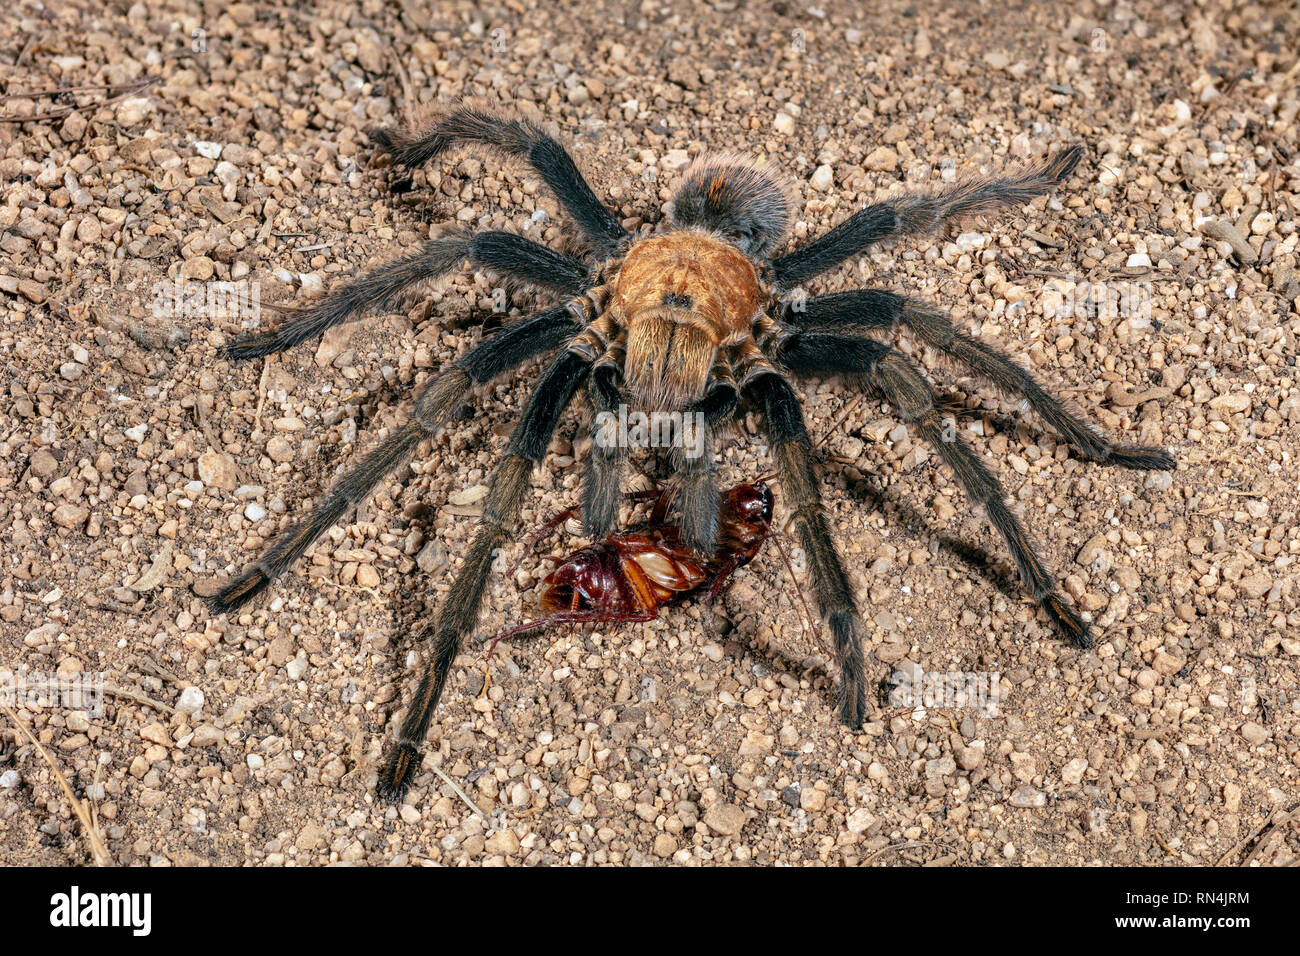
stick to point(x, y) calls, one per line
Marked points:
point(630, 575)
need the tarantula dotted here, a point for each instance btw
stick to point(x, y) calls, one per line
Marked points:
point(698, 316)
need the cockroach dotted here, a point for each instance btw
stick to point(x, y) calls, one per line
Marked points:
point(628, 576)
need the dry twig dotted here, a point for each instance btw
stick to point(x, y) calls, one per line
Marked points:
point(98, 852)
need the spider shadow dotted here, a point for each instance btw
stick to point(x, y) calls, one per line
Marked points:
point(980, 562)
point(994, 571)
point(780, 659)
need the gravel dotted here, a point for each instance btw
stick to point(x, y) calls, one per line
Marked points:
point(1157, 290)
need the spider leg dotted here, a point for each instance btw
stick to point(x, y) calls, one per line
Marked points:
point(435, 403)
point(874, 308)
point(375, 291)
point(519, 138)
point(698, 499)
point(604, 463)
point(501, 508)
point(906, 389)
point(919, 214)
point(798, 475)
point(854, 311)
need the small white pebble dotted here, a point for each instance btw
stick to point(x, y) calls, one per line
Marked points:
point(674, 160)
point(191, 701)
point(1261, 225)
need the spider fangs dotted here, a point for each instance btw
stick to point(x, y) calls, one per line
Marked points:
point(696, 317)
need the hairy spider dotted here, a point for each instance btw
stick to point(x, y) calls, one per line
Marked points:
point(696, 316)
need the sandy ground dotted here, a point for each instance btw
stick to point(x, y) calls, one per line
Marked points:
point(1157, 289)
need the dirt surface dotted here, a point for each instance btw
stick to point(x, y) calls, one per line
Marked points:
point(1157, 289)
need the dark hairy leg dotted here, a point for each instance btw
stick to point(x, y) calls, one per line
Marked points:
point(502, 252)
point(460, 608)
point(799, 487)
point(903, 386)
point(604, 463)
point(920, 214)
point(698, 500)
point(863, 309)
point(518, 138)
point(433, 406)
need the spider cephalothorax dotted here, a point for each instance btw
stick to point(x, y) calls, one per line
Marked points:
point(682, 296)
point(693, 318)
